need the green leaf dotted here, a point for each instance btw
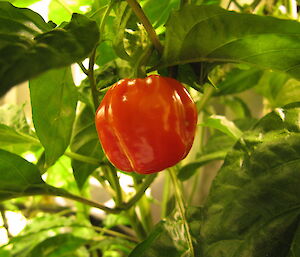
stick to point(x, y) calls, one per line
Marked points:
point(85, 142)
point(15, 141)
point(159, 243)
point(30, 46)
point(158, 11)
point(18, 177)
point(53, 99)
point(237, 81)
point(168, 237)
point(22, 3)
point(223, 124)
point(129, 42)
point(60, 245)
point(60, 11)
point(279, 89)
point(15, 133)
point(189, 169)
point(210, 34)
point(253, 206)
point(14, 117)
point(113, 220)
point(113, 246)
point(238, 107)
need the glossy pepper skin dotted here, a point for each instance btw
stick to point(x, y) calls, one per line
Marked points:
point(146, 125)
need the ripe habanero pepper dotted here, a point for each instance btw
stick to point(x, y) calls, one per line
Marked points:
point(146, 125)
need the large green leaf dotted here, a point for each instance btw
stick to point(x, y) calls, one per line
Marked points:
point(210, 34)
point(85, 142)
point(253, 206)
point(53, 99)
point(62, 10)
point(30, 46)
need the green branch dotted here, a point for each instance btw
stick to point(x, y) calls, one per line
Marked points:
point(92, 80)
point(85, 159)
point(148, 181)
point(182, 207)
point(137, 9)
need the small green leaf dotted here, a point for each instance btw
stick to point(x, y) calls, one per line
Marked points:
point(60, 245)
point(237, 81)
point(223, 124)
point(189, 170)
point(14, 117)
point(18, 177)
point(85, 142)
point(158, 243)
point(112, 220)
point(210, 34)
point(30, 46)
point(53, 99)
point(12, 140)
point(279, 89)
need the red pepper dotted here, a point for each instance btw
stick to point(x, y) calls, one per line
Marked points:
point(146, 125)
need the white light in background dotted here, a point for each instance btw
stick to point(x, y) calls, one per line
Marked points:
point(126, 183)
point(16, 223)
point(29, 157)
point(41, 8)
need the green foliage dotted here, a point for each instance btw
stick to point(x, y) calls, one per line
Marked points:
point(30, 46)
point(18, 177)
point(248, 125)
point(55, 88)
point(60, 11)
point(60, 245)
point(253, 202)
point(85, 142)
point(231, 37)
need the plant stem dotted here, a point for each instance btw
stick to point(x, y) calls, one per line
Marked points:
point(137, 9)
point(92, 80)
point(136, 224)
point(84, 70)
point(85, 159)
point(114, 180)
point(208, 91)
point(65, 194)
point(4, 219)
point(148, 181)
point(181, 207)
point(114, 233)
point(166, 196)
point(102, 181)
point(106, 14)
point(144, 209)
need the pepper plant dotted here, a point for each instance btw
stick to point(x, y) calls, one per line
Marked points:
point(224, 52)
